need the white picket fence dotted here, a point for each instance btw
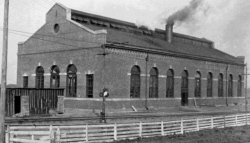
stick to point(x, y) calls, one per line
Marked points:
point(111, 132)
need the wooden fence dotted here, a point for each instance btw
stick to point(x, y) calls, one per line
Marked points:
point(111, 132)
point(41, 100)
point(13, 94)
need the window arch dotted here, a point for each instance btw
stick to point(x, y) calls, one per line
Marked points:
point(170, 83)
point(153, 83)
point(39, 77)
point(135, 82)
point(71, 81)
point(209, 84)
point(54, 77)
point(239, 88)
point(220, 85)
point(230, 86)
point(184, 88)
point(197, 90)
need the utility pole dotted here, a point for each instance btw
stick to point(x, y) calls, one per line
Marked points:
point(104, 92)
point(146, 84)
point(4, 71)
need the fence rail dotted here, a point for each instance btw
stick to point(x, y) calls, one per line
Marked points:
point(111, 132)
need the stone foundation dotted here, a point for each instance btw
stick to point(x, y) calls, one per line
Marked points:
point(60, 104)
point(126, 104)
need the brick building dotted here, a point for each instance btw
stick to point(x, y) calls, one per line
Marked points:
point(83, 53)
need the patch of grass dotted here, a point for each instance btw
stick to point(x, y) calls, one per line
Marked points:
point(226, 135)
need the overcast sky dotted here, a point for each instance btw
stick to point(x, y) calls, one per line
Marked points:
point(226, 22)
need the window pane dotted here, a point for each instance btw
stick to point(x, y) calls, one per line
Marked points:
point(39, 77)
point(170, 84)
point(197, 85)
point(55, 77)
point(153, 83)
point(239, 88)
point(71, 86)
point(25, 81)
point(220, 86)
point(135, 82)
point(89, 85)
point(209, 85)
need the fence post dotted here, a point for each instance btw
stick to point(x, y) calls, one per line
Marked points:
point(246, 118)
point(11, 137)
point(181, 126)
point(197, 124)
point(115, 132)
point(140, 129)
point(58, 137)
point(235, 119)
point(7, 134)
point(51, 133)
point(162, 128)
point(86, 133)
point(212, 123)
point(224, 121)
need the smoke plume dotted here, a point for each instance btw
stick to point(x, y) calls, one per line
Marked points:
point(187, 13)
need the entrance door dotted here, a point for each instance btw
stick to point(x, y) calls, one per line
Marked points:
point(17, 105)
point(184, 88)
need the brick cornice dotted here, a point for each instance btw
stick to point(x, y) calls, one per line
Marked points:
point(173, 54)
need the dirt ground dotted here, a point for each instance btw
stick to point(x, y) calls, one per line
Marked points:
point(151, 115)
point(169, 114)
point(226, 135)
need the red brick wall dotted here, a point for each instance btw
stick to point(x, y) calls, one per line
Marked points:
point(119, 64)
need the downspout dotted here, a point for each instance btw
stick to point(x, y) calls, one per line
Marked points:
point(226, 86)
point(146, 83)
point(246, 90)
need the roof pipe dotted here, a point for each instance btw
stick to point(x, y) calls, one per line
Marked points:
point(169, 32)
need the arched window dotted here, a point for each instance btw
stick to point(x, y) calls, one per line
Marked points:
point(230, 86)
point(239, 88)
point(170, 83)
point(153, 83)
point(39, 77)
point(71, 81)
point(197, 90)
point(135, 82)
point(184, 88)
point(54, 77)
point(209, 84)
point(220, 85)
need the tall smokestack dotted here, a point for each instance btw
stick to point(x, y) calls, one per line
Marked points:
point(169, 32)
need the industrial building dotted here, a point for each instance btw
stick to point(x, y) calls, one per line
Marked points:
point(85, 53)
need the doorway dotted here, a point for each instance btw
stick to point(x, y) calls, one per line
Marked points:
point(17, 104)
